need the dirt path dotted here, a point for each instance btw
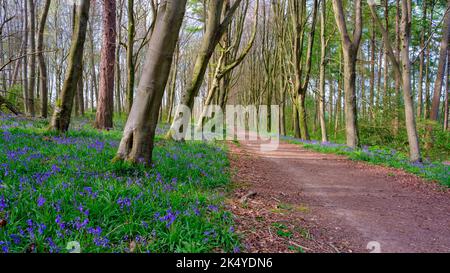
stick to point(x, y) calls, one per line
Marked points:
point(307, 201)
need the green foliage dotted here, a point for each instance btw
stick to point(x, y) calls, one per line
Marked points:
point(437, 144)
point(14, 95)
point(59, 189)
point(282, 230)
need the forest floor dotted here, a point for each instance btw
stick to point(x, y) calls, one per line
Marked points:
point(297, 200)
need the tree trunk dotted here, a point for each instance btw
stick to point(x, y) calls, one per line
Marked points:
point(407, 96)
point(137, 142)
point(80, 93)
point(323, 125)
point(94, 91)
point(421, 64)
point(105, 107)
point(296, 126)
point(63, 107)
point(130, 55)
point(32, 35)
point(434, 115)
point(26, 99)
point(42, 65)
point(372, 75)
point(118, 95)
point(350, 49)
point(447, 91)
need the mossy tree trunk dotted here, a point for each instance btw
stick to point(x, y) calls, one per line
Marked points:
point(63, 108)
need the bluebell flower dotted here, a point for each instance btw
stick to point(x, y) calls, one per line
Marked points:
point(41, 228)
point(41, 201)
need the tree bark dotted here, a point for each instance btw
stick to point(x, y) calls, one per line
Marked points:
point(350, 50)
point(63, 108)
point(32, 35)
point(26, 99)
point(130, 54)
point(42, 65)
point(105, 107)
point(137, 142)
point(421, 63)
point(434, 114)
point(447, 91)
point(323, 54)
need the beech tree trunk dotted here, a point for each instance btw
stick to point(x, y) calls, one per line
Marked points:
point(421, 64)
point(350, 51)
point(105, 107)
point(26, 99)
point(323, 54)
point(42, 66)
point(137, 142)
point(130, 55)
point(63, 108)
point(32, 49)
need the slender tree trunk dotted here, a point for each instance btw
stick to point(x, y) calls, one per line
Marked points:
point(26, 99)
point(427, 103)
point(94, 91)
point(372, 75)
point(118, 95)
point(447, 91)
point(137, 142)
point(323, 125)
point(63, 107)
point(32, 35)
point(80, 93)
point(421, 64)
point(42, 65)
point(434, 115)
point(130, 55)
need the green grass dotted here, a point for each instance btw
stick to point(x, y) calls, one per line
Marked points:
point(58, 189)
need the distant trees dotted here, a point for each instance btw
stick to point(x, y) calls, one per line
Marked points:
point(217, 20)
point(302, 75)
point(402, 68)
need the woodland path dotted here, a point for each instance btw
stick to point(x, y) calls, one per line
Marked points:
point(332, 204)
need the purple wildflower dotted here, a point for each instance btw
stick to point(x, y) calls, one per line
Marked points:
point(41, 201)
